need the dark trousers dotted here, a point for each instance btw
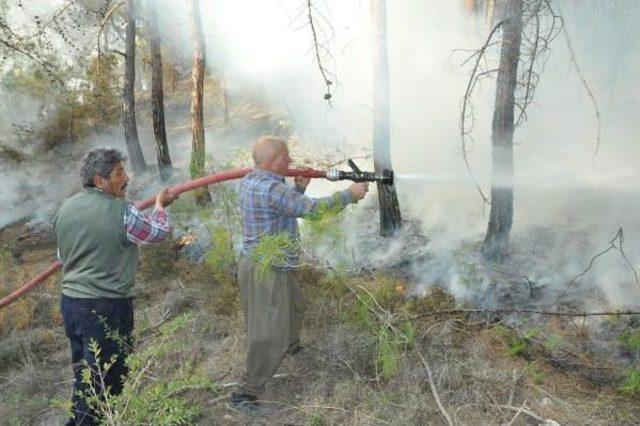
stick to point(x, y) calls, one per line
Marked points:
point(108, 322)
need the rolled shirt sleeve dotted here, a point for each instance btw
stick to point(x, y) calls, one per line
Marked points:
point(146, 229)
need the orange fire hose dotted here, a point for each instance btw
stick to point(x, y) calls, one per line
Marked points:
point(177, 189)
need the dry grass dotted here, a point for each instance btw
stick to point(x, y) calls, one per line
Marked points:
point(336, 379)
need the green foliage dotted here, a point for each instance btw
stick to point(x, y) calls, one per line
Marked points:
point(221, 263)
point(272, 250)
point(384, 398)
point(316, 419)
point(93, 102)
point(531, 368)
point(154, 389)
point(393, 338)
point(553, 342)
point(332, 284)
point(324, 224)
point(221, 257)
point(631, 384)
point(102, 97)
point(630, 340)
point(517, 346)
point(359, 315)
point(387, 361)
point(5, 259)
point(66, 405)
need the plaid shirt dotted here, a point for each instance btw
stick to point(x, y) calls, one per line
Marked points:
point(270, 207)
point(144, 229)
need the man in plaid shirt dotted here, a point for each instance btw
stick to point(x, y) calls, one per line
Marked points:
point(98, 232)
point(273, 305)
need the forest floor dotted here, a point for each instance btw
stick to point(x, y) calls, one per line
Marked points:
point(374, 353)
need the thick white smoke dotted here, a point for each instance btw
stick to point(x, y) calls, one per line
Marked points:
point(565, 210)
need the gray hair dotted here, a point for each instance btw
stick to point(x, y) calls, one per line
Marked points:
point(99, 161)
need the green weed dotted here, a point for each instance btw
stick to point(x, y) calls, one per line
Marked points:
point(631, 384)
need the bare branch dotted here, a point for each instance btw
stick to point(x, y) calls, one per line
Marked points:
point(523, 312)
point(117, 52)
point(24, 52)
point(583, 79)
point(465, 101)
point(619, 238)
point(317, 47)
point(105, 19)
point(434, 390)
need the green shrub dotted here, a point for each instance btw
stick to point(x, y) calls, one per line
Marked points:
point(316, 419)
point(154, 390)
point(631, 384)
point(517, 346)
point(630, 340)
point(531, 368)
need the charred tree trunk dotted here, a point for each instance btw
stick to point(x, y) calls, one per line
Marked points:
point(390, 218)
point(496, 241)
point(157, 96)
point(138, 164)
point(197, 116)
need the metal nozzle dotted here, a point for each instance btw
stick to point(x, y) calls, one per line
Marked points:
point(357, 175)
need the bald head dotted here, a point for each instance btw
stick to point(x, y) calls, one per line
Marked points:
point(271, 153)
point(266, 149)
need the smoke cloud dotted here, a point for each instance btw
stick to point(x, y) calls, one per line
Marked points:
point(566, 210)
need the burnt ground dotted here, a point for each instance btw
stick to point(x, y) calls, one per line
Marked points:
point(485, 367)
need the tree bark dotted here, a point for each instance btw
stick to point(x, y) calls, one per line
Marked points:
point(197, 116)
point(390, 218)
point(496, 241)
point(138, 164)
point(157, 96)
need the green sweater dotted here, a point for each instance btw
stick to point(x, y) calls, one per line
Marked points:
point(98, 260)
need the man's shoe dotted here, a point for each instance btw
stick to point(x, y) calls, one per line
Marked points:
point(244, 403)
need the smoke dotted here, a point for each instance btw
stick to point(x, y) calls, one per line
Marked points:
point(565, 210)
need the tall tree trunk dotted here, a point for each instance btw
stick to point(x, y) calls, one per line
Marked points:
point(390, 218)
point(157, 96)
point(197, 115)
point(496, 241)
point(138, 163)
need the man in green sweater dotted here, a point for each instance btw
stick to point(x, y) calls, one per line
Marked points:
point(98, 234)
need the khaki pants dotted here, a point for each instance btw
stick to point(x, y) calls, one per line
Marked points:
point(273, 310)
